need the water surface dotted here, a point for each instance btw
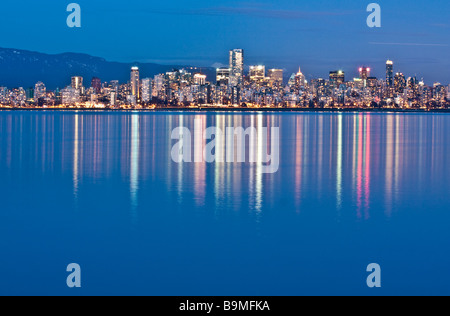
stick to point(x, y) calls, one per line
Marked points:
point(100, 189)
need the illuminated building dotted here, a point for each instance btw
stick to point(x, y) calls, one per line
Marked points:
point(399, 83)
point(236, 67)
point(200, 79)
point(276, 76)
point(337, 78)
point(134, 81)
point(114, 85)
point(39, 91)
point(146, 90)
point(439, 92)
point(390, 73)
point(413, 87)
point(300, 79)
point(70, 96)
point(364, 73)
point(77, 83)
point(159, 86)
point(223, 76)
point(96, 84)
point(257, 73)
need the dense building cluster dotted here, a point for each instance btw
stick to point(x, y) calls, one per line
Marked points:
point(236, 87)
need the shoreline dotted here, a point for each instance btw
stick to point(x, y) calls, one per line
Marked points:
point(225, 109)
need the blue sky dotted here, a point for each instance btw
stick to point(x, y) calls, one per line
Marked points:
point(318, 36)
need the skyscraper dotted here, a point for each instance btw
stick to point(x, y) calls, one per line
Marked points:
point(39, 90)
point(300, 79)
point(236, 67)
point(223, 76)
point(135, 87)
point(276, 76)
point(390, 73)
point(77, 83)
point(257, 73)
point(200, 79)
point(146, 90)
point(364, 73)
point(96, 84)
point(399, 83)
point(337, 78)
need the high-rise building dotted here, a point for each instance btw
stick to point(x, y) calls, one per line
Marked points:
point(257, 73)
point(223, 76)
point(200, 79)
point(39, 90)
point(77, 82)
point(236, 67)
point(300, 79)
point(276, 76)
point(364, 73)
point(146, 90)
point(70, 96)
point(96, 84)
point(399, 83)
point(337, 78)
point(159, 86)
point(390, 73)
point(134, 80)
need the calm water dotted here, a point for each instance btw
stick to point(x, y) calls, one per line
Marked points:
point(101, 190)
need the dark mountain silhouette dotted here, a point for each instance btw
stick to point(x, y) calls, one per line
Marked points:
point(21, 68)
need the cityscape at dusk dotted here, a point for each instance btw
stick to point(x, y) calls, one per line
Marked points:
point(238, 85)
point(225, 156)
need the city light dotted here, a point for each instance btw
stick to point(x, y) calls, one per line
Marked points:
point(233, 87)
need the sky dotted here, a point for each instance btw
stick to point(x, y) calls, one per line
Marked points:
point(316, 35)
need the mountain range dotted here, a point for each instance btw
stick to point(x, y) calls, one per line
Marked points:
point(21, 68)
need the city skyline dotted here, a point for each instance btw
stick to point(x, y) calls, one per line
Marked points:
point(236, 87)
point(321, 35)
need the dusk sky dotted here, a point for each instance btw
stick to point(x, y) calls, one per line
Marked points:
point(318, 36)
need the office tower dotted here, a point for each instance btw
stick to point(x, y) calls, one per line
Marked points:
point(39, 90)
point(96, 84)
point(70, 96)
point(364, 73)
point(413, 87)
point(114, 85)
point(77, 83)
point(135, 88)
point(236, 67)
point(390, 73)
point(146, 90)
point(30, 93)
point(257, 73)
point(372, 82)
point(223, 76)
point(276, 76)
point(399, 83)
point(200, 79)
point(300, 79)
point(439, 92)
point(159, 86)
point(337, 78)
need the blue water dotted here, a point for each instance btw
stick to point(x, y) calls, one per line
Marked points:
point(101, 190)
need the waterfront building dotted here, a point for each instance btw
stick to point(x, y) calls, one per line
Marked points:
point(40, 91)
point(236, 67)
point(276, 76)
point(146, 90)
point(134, 82)
point(223, 76)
